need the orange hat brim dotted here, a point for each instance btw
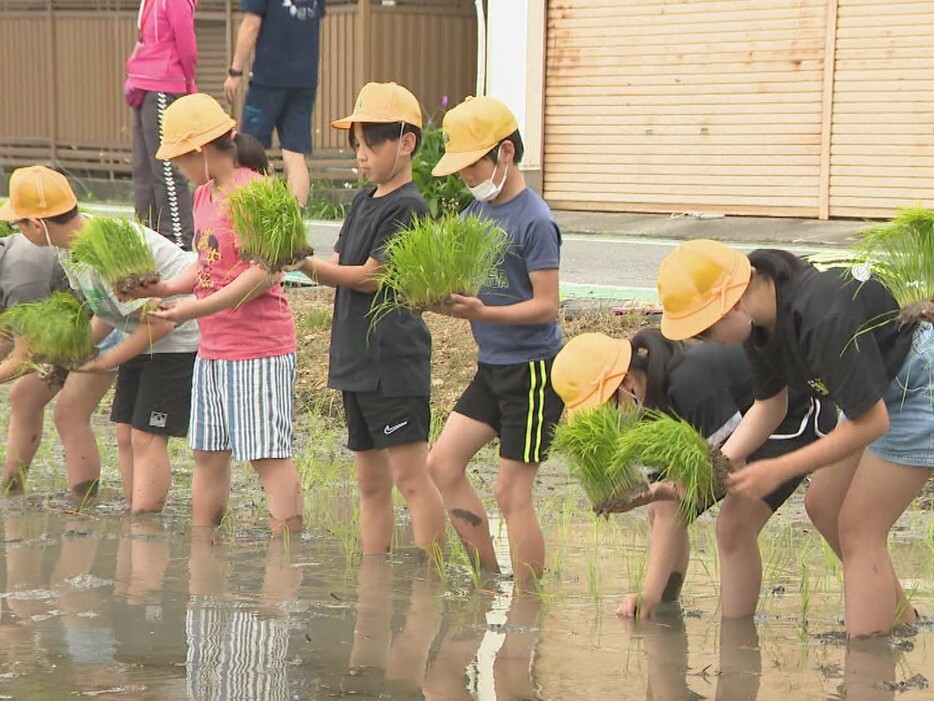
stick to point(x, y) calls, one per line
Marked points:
point(7, 213)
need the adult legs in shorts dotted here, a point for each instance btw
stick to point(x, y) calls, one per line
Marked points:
point(289, 112)
point(389, 440)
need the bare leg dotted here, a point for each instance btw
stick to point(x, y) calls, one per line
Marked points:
point(76, 402)
point(283, 493)
point(152, 475)
point(296, 171)
point(738, 527)
point(374, 482)
point(210, 487)
point(460, 440)
point(29, 396)
point(125, 460)
point(514, 497)
point(407, 463)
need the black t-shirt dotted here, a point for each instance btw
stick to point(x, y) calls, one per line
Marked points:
point(835, 337)
point(395, 355)
point(712, 387)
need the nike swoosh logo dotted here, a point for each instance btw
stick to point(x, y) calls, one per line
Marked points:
point(392, 429)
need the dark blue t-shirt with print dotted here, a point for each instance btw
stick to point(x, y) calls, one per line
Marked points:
point(536, 244)
point(287, 45)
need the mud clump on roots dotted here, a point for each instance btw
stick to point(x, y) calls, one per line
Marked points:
point(922, 310)
point(127, 286)
point(275, 266)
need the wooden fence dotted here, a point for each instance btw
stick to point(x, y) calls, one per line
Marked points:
point(62, 70)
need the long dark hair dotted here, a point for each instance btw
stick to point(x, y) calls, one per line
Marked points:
point(776, 264)
point(655, 356)
point(247, 151)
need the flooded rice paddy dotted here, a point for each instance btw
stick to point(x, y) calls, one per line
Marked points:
point(99, 605)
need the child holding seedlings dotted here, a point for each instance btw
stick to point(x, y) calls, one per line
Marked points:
point(29, 273)
point(245, 369)
point(710, 387)
point(382, 368)
point(514, 320)
point(154, 358)
point(831, 335)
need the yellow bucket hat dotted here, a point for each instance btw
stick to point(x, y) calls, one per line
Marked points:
point(698, 284)
point(191, 122)
point(471, 130)
point(383, 103)
point(589, 369)
point(37, 192)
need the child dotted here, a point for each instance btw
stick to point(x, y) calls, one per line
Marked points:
point(29, 273)
point(710, 387)
point(383, 373)
point(154, 358)
point(832, 336)
point(515, 324)
point(245, 370)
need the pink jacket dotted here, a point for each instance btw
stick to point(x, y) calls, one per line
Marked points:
point(166, 54)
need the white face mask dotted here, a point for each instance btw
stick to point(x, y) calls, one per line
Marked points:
point(488, 190)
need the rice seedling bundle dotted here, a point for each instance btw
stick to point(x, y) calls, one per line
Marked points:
point(57, 330)
point(675, 450)
point(116, 249)
point(900, 255)
point(434, 258)
point(268, 224)
point(591, 444)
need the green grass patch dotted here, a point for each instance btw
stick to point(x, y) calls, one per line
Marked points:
point(57, 330)
point(591, 445)
point(117, 250)
point(432, 259)
point(268, 224)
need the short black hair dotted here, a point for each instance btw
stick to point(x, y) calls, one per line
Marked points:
point(376, 134)
point(516, 139)
point(64, 217)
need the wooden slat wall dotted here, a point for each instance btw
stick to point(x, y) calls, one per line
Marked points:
point(672, 106)
point(882, 143)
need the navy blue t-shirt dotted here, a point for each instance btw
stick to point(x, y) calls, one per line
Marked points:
point(287, 45)
point(536, 244)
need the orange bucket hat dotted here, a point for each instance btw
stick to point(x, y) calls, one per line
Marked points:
point(698, 284)
point(589, 369)
point(191, 122)
point(37, 192)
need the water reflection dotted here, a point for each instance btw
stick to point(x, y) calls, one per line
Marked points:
point(111, 607)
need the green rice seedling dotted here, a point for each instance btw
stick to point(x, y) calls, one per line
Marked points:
point(434, 258)
point(590, 443)
point(677, 452)
point(116, 249)
point(57, 330)
point(268, 224)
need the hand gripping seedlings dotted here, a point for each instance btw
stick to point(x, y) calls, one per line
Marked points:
point(590, 442)
point(57, 330)
point(674, 449)
point(268, 224)
point(116, 249)
point(434, 258)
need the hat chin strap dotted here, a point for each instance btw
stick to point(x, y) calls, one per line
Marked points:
point(48, 239)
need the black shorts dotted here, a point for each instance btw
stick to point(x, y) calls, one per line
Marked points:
point(519, 403)
point(820, 420)
point(375, 421)
point(287, 110)
point(153, 393)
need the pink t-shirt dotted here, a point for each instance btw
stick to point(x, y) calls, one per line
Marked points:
point(260, 328)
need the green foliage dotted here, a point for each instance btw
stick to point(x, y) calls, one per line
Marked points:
point(901, 254)
point(675, 449)
point(57, 329)
point(116, 249)
point(268, 223)
point(321, 206)
point(434, 258)
point(446, 195)
point(590, 443)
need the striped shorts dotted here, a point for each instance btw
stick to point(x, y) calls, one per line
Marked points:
point(519, 403)
point(244, 406)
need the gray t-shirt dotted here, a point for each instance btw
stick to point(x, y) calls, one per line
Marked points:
point(123, 316)
point(536, 244)
point(27, 273)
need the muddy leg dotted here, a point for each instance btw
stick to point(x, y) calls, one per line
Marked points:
point(29, 396)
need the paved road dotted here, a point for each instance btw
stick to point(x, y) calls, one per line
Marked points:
point(603, 266)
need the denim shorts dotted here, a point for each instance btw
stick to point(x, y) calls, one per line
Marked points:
point(910, 402)
point(112, 339)
point(287, 110)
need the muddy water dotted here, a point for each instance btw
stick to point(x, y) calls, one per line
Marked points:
point(100, 606)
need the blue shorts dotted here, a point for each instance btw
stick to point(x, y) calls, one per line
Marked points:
point(910, 402)
point(244, 406)
point(287, 110)
point(110, 340)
